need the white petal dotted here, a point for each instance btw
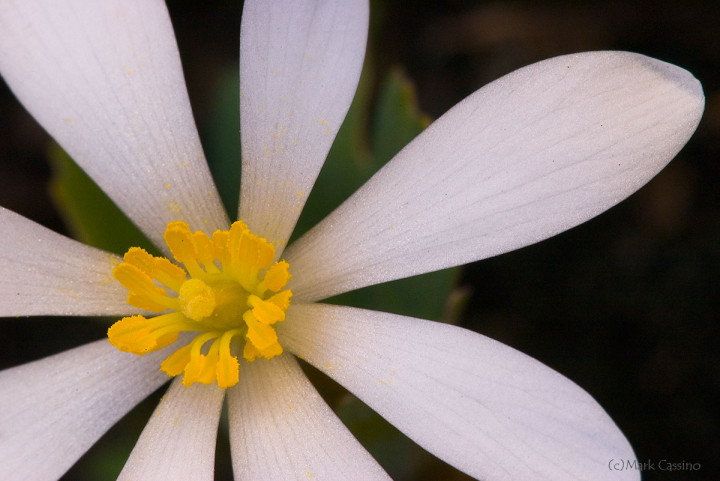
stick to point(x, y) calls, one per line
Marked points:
point(300, 63)
point(280, 428)
point(45, 273)
point(179, 440)
point(532, 154)
point(54, 409)
point(105, 80)
point(481, 406)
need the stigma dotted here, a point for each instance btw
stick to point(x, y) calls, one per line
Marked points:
point(228, 293)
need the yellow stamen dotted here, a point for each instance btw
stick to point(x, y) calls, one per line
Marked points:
point(265, 311)
point(201, 367)
point(281, 299)
point(228, 367)
point(229, 290)
point(143, 292)
point(175, 363)
point(260, 334)
point(139, 335)
point(164, 271)
point(277, 276)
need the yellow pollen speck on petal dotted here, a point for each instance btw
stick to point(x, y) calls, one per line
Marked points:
point(224, 288)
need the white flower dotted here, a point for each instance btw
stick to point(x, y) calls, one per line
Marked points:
point(530, 155)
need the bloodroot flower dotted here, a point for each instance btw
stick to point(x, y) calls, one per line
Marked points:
point(228, 307)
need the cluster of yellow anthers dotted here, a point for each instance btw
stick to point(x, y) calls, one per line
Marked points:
point(228, 291)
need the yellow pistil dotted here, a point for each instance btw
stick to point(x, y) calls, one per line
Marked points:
point(229, 291)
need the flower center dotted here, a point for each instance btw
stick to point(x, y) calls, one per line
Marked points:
point(228, 293)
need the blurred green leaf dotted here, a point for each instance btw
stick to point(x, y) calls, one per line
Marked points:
point(89, 214)
point(397, 118)
point(221, 137)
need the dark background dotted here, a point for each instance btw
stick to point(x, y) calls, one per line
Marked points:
point(625, 305)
